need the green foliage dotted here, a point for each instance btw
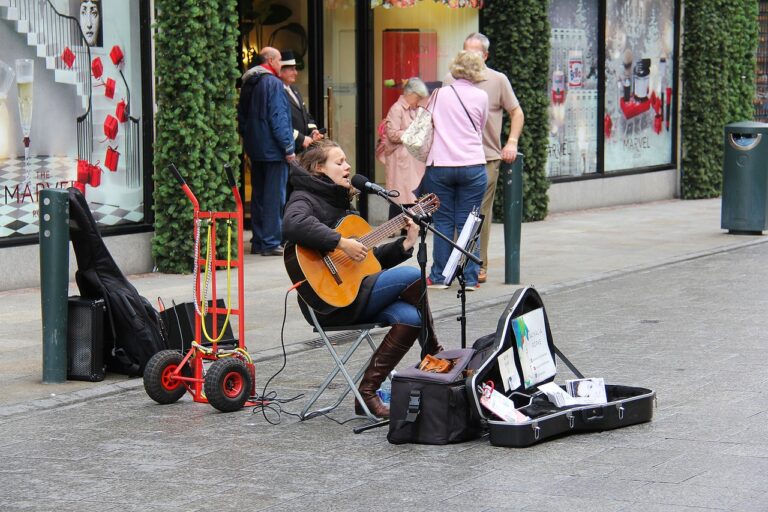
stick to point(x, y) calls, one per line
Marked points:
point(519, 33)
point(718, 76)
point(195, 70)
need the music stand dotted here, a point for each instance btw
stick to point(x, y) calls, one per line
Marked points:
point(457, 262)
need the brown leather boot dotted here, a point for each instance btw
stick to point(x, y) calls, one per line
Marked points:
point(395, 345)
point(411, 295)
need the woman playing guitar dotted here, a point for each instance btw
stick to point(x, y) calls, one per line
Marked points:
point(321, 198)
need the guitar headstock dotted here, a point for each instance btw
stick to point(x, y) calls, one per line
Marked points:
point(426, 204)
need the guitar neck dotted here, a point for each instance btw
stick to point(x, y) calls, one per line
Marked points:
point(381, 233)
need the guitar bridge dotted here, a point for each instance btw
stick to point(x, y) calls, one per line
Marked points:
point(332, 268)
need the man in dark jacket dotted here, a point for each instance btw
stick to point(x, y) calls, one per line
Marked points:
point(265, 124)
point(305, 130)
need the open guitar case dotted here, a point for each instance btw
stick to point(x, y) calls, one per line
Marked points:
point(626, 405)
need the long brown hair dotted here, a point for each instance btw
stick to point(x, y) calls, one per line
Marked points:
point(316, 154)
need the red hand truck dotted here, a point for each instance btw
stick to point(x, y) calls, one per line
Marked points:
point(224, 376)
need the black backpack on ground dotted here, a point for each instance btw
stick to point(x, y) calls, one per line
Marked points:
point(134, 325)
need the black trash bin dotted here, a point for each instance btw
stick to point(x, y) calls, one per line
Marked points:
point(745, 178)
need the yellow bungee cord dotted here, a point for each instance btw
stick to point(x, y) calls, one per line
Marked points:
point(229, 282)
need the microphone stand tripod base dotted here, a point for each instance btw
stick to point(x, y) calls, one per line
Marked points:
point(377, 424)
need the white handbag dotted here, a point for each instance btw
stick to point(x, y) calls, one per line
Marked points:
point(417, 138)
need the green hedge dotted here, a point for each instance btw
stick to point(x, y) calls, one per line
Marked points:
point(519, 33)
point(195, 70)
point(718, 76)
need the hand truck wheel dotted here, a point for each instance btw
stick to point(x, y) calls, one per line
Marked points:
point(158, 377)
point(227, 384)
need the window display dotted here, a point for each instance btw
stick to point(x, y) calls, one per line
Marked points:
point(639, 85)
point(572, 146)
point(416, 39)
point(70, 110)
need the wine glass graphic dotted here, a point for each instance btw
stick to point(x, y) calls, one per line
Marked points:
point(25, 74)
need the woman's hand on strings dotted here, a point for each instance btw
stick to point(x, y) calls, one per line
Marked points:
point(412, 234)
point(352, 248)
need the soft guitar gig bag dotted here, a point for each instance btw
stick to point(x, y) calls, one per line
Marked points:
point(133, 322)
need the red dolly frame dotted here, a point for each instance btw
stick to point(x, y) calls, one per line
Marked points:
point(230, 380)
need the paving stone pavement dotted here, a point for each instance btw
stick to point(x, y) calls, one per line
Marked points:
point(693, 331)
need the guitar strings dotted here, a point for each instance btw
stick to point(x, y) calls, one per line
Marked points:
point(371, 239)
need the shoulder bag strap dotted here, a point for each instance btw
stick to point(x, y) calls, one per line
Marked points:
point(465, 108)
point(432, 101)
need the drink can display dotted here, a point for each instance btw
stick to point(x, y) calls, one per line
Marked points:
point(558, 81)
point(575, 69)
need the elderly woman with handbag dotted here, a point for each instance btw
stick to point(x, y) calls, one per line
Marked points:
point(456, 161)
point(403, 172)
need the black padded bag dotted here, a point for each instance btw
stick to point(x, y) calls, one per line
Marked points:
point(432, 408)
point(133, 323)
point(180, 321)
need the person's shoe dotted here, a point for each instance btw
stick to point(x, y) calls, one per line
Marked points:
point(254, 250)
point(482, 276)
point(436, 286)
point(277, 251)
point(472, 287)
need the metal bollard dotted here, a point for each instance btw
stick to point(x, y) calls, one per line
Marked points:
point(54, 281)
point(513, 218)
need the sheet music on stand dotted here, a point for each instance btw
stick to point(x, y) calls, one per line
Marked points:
point(466, 237)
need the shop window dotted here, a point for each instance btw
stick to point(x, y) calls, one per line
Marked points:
point(281, 25)
point(639, 85)
point(573, 71)
point(80, 102)
point(416, 38)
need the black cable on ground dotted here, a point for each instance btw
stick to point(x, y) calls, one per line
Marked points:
point(270, 401)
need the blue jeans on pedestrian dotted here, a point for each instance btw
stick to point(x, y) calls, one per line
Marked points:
point(460, 189)
point(384, 304)
point(268, 185)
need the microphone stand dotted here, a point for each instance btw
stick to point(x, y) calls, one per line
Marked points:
point(425, 224)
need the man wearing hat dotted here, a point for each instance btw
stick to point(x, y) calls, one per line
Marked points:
point(304, 128)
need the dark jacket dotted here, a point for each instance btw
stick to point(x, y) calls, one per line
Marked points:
point(301, 119)
point(315, 207)
point(264, 117)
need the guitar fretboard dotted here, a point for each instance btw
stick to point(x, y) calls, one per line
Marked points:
point(392, 226)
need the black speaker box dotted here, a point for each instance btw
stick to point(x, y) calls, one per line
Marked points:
point(85, 339)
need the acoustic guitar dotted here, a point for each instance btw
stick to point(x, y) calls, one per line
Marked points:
point(332, 280)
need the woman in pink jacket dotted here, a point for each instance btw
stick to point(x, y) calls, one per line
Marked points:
point(403, 172)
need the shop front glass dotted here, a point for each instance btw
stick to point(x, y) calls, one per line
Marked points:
point(70, 117)
point(639, 84)
point(286, 25)
point(282, 25)
point(416, 39)
point(572, 85)
point(339, 74)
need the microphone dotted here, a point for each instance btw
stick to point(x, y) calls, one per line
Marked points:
point(360, 182)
